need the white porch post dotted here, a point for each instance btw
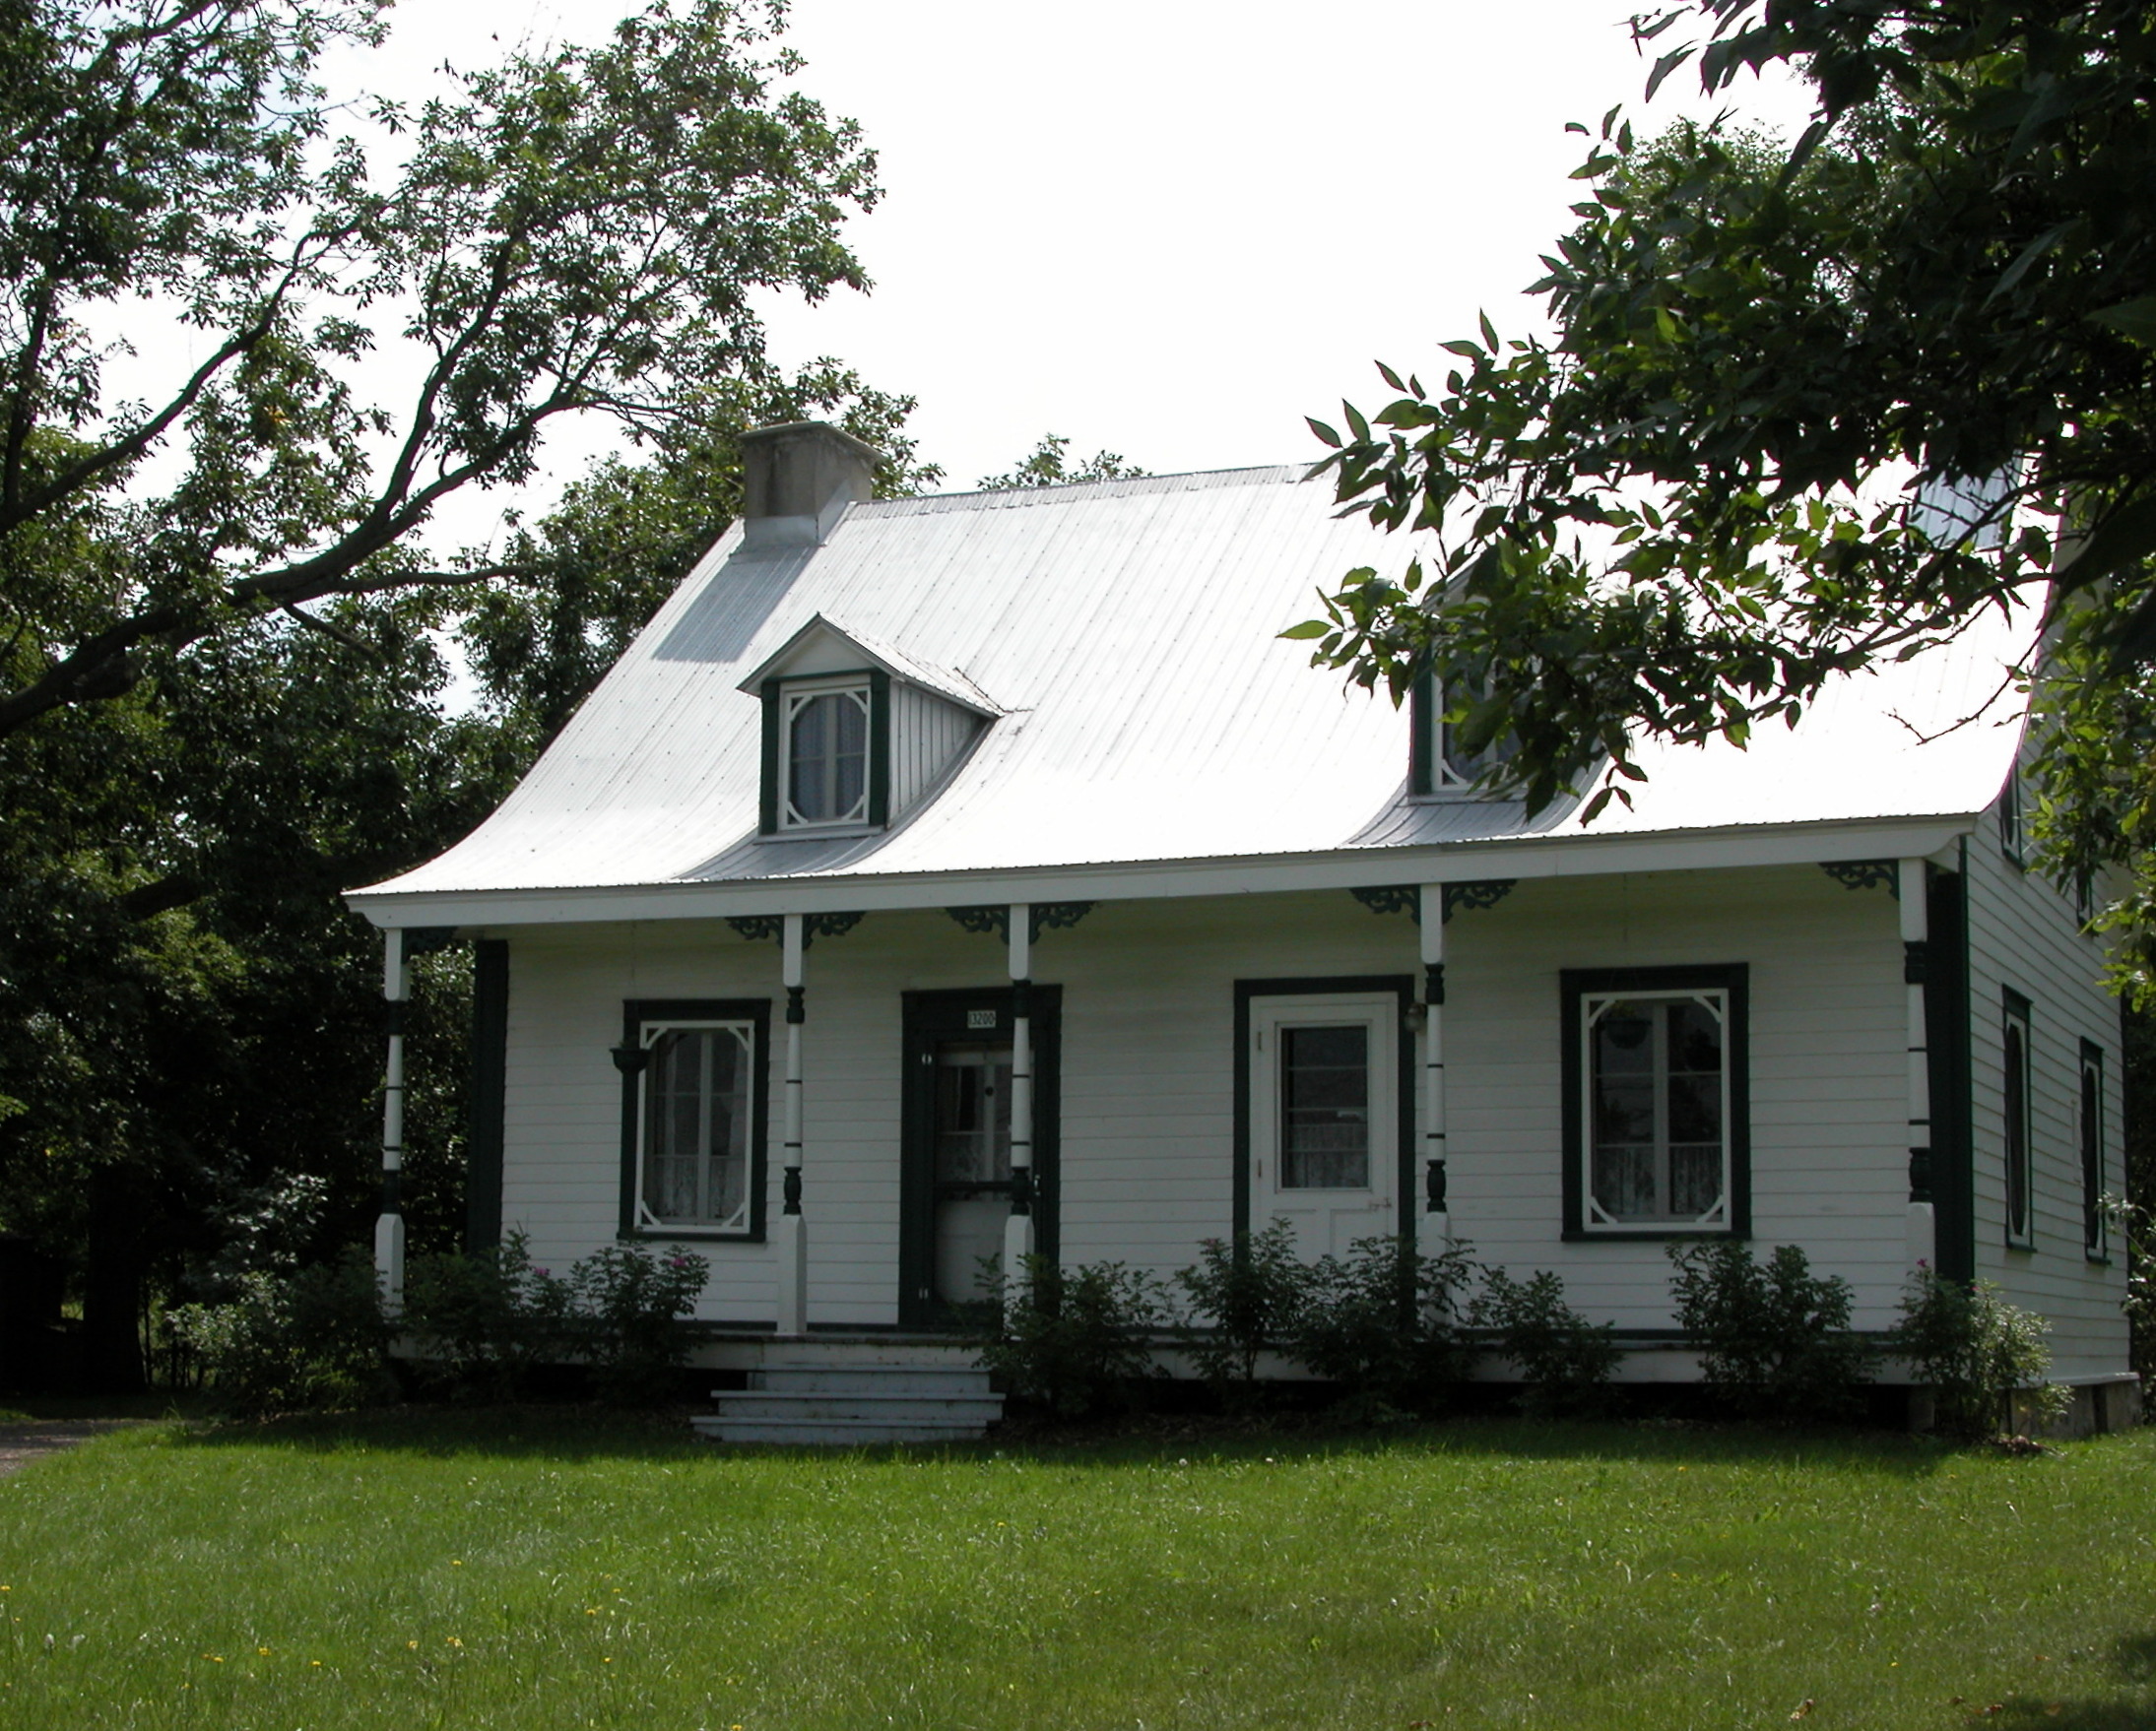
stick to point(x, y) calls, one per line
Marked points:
point(389, 1226)
point(1922, 1225)
point(1434, 1228)
point(1018, 1236)
point(791, 1232)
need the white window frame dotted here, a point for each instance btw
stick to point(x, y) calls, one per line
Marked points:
point(2015, 1018)
point(741, 1222)
point(793, 696)
point(1594, 1218)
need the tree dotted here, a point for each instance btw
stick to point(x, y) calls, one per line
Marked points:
point(576, 232)
point(221, 644)
point(1049, 466)
point(1806, 409)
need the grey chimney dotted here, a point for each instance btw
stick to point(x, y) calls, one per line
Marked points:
point(797, 480)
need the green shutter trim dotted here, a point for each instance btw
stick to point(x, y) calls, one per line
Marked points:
point(635, 1012)
point(1422, 734)
point(768, 792)
point(879, 748)
point(484, 1133)
point(1946, 1013)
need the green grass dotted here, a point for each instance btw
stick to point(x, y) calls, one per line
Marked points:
point(537, 1571)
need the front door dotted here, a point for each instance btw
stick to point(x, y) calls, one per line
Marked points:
point(1325, 1117)
point(955, 1161)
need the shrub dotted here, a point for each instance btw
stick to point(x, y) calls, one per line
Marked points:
point(1079, 1339)
point(1976, 1351)
point(1382, 1321)
point(1246, 1296)
point(632, 1307)
point(1565, 1360)
point(485, 1322)
point(1774, 1338)
point(313, 1337)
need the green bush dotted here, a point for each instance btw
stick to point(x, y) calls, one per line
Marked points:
point(1382, 1321)
point(482, 1323)
point(1774, 1338)
point(1245, 1296)
point(309, 1338)
point(632, 1307)
point(1976, 1352)
point(1080, 1337)
point(1566, 1360)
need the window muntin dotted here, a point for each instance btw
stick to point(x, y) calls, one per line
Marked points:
point(972, 1113)
point(1442, 764)
point(1325, 1107)
point(824, 756)
point(1656, 1109)
point(697, 1127)
point(2016, 1108)
point(2094, 1235)
point(2013, 837)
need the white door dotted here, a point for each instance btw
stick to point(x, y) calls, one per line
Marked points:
point(1325, 1117)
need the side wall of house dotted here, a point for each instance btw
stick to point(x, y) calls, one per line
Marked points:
point(1147, 1158)
point(2025, 937)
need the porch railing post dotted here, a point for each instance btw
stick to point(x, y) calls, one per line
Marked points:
point(389, 1224)
point(792, 1230)
point(1923, 1223)
point(1017, 1238)
point(1434, 1229)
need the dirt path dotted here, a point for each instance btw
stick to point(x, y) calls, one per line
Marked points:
point(23, 1442)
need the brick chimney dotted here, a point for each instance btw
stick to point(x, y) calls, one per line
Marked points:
point(797, 480)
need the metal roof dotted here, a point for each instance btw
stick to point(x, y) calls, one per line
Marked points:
point(1129, 631)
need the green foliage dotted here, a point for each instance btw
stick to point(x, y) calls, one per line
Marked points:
point(1246, 1296)
point(306, 1338)
point(632, 1305)
point(1773, 1338)
point(1081, 1341)
point(1382, 1321)
point(1703, 495)
point(1050, 466)
point(1566, 1360)
point(483, 1324)
point(1978, 1353)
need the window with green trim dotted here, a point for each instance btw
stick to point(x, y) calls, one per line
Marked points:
point(823, 759)
point(2015, 1109)
point(694, 1080)
point(1657, 1102)
point(2095, 1234)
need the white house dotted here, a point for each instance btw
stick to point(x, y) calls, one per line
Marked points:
point(943, 874)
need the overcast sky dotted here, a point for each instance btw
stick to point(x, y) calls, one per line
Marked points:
point(1167, 227)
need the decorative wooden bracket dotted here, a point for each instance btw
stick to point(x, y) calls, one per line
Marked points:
point(1046, 917)
point(1407, 898)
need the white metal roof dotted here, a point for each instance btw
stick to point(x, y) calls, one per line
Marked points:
point(1153, 716)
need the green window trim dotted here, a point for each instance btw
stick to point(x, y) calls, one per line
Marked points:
point(1575, 985)
point(771, 778)
point(636, 1013)
point(2017, 1118)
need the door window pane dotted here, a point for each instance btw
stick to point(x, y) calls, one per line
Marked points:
point(972, 1113)
point(1324, 1108)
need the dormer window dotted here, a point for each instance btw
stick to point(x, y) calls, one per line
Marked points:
point(826, 754)
point(1438, 762)
point(857, 733)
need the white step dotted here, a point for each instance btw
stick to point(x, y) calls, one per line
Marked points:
point(756, 1403)
point(851, 1433)
point(861, 1380)
point(818, 1403)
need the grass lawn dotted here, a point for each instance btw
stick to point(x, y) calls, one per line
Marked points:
point(541, 1571)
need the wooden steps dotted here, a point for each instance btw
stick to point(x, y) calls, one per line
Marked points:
point(852, 1404)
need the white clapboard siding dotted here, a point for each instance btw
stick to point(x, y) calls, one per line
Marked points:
point(2023, 934)
point(928, 735)
point(1148, 1065)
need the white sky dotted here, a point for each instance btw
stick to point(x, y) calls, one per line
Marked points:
point(1167, 227)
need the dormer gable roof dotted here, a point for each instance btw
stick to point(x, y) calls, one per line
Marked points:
point(823, 646)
